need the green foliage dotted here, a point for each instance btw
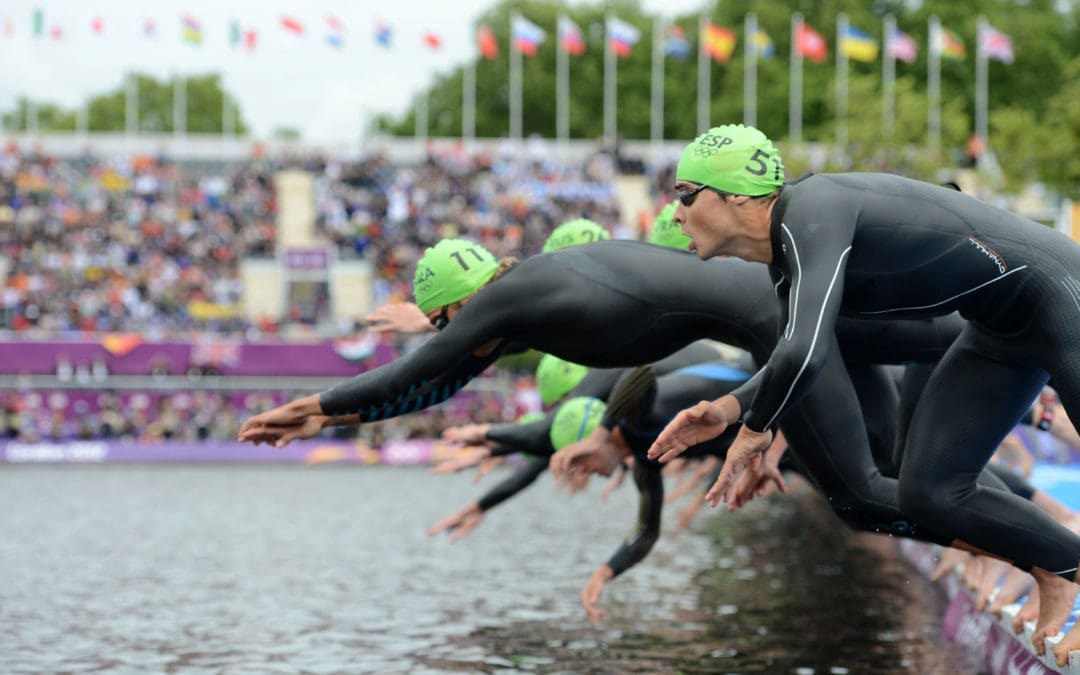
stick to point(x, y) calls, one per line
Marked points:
point(1040, 91)
point(106, 112)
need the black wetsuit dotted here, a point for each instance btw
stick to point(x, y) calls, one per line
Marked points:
point(534, 438)
point(878, 246)
point(623, 303)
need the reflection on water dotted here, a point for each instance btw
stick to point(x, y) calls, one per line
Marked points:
point(328, 569)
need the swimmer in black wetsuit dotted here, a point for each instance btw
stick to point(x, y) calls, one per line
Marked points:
point(534, 438)
point(616, 303)
point(881, 246)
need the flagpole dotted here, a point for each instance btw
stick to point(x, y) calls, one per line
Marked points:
point(841, 83)
point(515, 83)
point(888, 79)
point(610, 91)
point(420, 134)
point(981, 86)
point(795, 79)
point(81, 123)
point(179, 113)
point(750, 29)
point(656, 117)
point(562, 89)
point(131, 108)
point(468, 103)
point(933, 85)
point(704, 83)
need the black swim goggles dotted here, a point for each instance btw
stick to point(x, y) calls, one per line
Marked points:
point(688, 197)
point(442, 319)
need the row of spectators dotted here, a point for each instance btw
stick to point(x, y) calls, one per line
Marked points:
point(128, 244)
point(200, 415)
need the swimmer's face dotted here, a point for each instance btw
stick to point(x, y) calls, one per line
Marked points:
point(707, 216)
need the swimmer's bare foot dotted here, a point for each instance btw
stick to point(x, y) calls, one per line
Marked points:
point(1017, 582)
point(1056, 598)
point(950, 558)
point(992, 572)
point(1028, 612)
point(1069, 643)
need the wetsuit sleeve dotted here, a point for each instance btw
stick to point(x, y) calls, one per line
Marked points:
point(650, 487)
point(521, 479)
point(814, 256)
point(533, 438)
point(429, 375)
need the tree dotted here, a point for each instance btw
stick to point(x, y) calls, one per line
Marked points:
point(107, 112)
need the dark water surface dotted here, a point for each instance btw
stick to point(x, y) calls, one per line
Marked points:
point(197, 569)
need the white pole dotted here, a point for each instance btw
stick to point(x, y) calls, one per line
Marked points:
point(131, 107)
point(610, 91)
point(420, 134)
point(933, 85)
point(750, 29)
point(795, 92)
point(656, 118)
point(841, 83)
point(468, 103)
point(562, 91)
point(704, 82)
point(888, 79)
point(179, 113)
point(515, 85)
point(981, 87)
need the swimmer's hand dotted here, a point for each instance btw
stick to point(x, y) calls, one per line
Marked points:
point(703, 422)
point(399, 317)
point(744, 453)
point(299, 419)
point(468, 457)
point(590, 595)
point(459, 524)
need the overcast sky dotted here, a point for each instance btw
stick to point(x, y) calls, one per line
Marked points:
point(302, 83)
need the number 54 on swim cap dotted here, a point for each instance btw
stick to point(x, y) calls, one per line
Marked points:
point(733, 158)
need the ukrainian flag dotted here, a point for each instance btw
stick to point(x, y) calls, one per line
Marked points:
point(858, 46)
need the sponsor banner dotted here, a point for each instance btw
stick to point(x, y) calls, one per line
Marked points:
point(314, 451)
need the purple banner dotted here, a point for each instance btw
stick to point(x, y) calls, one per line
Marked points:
point(129, 355)
point(307, 259)
point(300, 452)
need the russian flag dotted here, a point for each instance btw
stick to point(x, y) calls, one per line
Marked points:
point(570, 37)
point(526, 35)
point(621, 37)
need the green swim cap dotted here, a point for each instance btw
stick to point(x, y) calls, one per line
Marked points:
point(575, 420)
point(451, 270)
point(733, 158)
point(666, 232)
point(574, 232)
point(530, 417)
point(555, 377)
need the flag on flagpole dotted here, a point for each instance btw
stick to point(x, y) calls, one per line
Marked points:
point(486, 42)
point(903, 47)
point(236, 36)
point(56, 32)
point(292, 26)
point(719, 42)
point(97, 25)
point(950, 45)
point(812, 45)
point(571, 39)
point(384, 34)
point(675, 43)
point(250, 39)
point(335, 32)
point(9, 28)
point(621, 37)
point(525, 35)
point(149, 29)
point(39, 23)
point(857, 45)
point(431, 40)
point(996, 45)
point(191, 30)
point(763, 45)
